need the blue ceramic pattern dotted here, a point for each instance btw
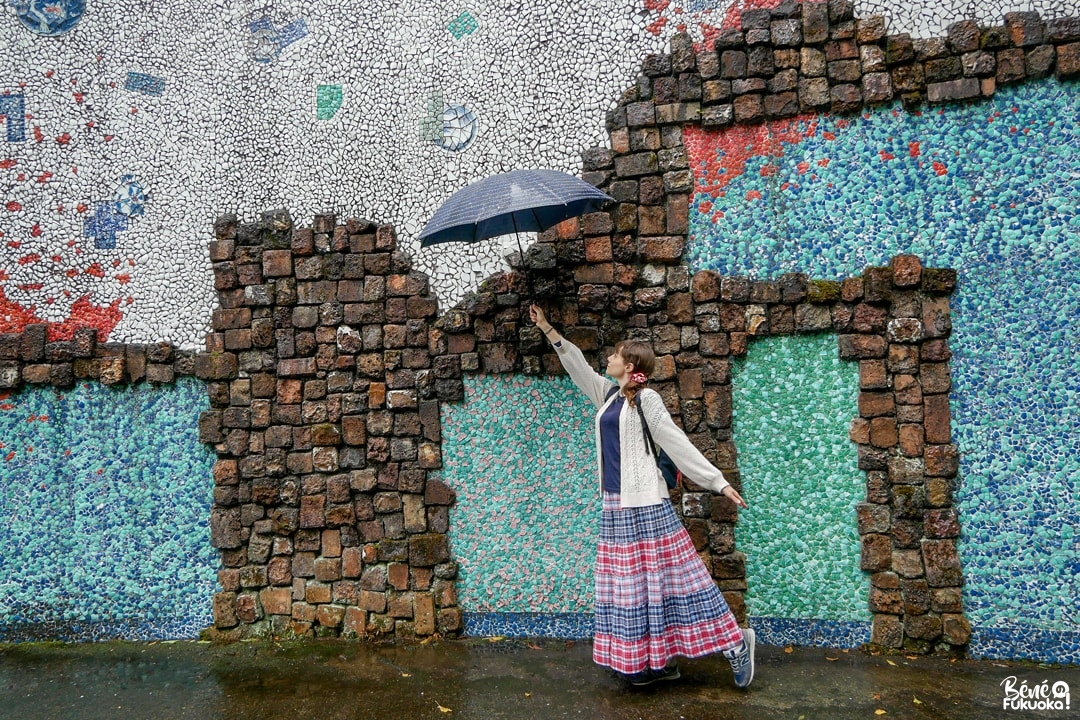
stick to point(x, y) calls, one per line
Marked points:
point(815, 633)
point(13, 110)
point(516, 624)
point(105, 501)
point(519, 454)
point(104, 225)
point(48, 17)
point(993, 193)
point(145, 84)
point(770, 631)
point(794, 400)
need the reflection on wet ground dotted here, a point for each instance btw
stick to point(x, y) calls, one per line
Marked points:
point(479, 678)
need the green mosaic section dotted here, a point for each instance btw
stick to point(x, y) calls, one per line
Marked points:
point(329, 99)
point(464, 24)
point(519, 454)
point(794, 400)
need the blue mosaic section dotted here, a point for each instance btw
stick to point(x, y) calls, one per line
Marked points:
point(991, 189)
point(105, 501)
point(48, 17)
point(1019, 642)
point(815, 633)
point(13, 116)
point(571, 626)
point(518, 453)
point(145, 84)
point(770, 631)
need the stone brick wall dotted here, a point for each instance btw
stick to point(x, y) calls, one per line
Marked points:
point(817, 57)
point(326, 424)
point(623, 267)
point(895, 321)
point(31, 358)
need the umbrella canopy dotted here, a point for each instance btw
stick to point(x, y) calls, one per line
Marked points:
point(513, 202)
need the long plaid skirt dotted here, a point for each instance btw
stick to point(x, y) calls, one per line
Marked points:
point(655, 599)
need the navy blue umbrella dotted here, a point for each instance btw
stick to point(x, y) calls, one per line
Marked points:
point(513, 202)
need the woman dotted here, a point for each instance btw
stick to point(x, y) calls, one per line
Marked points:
point(655, 599)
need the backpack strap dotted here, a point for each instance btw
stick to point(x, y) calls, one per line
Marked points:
point(649, 442)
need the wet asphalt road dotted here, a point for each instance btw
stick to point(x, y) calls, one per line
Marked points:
point(477, 678)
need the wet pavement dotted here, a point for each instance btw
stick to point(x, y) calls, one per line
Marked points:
point(479, 678)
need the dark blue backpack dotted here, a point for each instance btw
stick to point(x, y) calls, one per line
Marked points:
point(667, 466)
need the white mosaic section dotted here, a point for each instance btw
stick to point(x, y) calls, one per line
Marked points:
point(213, 107)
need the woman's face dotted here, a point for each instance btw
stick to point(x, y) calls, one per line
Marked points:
point(617, 367)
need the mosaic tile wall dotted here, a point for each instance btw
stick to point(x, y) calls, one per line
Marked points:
point(104, 509)
point(989, 188)
point(794, 400)
point(518, 453)
point(128, 128)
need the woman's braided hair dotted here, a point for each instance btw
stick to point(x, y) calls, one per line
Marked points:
point(642, 357)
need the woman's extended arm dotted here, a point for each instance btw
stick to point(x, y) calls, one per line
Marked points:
point(682, 452)
point(594, 385)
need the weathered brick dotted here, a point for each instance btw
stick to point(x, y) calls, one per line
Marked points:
point(942, 563)
point(876, 552)
point(1068, 60)
point(953, 90)
point(1025, 28)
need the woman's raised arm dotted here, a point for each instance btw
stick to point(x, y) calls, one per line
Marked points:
point(594, 385)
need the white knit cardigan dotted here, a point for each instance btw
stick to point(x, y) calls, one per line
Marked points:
point(641, 480)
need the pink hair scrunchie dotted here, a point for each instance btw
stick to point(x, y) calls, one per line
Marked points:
point(639, 377)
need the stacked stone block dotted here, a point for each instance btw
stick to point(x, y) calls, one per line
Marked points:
point(325, 421)
point(899, 328)
point(805, 57)
point(30, 357)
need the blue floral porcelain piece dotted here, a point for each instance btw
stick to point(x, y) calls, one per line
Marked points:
point(49, 17)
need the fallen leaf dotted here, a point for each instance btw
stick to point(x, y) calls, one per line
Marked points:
point(916, 700)
point(912, 657)
point(532, 646)
point(442, 709)
point(496, 638)
point(831, 659)
point(891, 663)
point(999, 665)
point(405, 674)
point(879, 711)
point(528, 694)
point(877, 696)
point(789, 649)
point(844, 651)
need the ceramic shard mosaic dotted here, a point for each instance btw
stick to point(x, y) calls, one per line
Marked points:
point(104, 508)
point(210, 105)
point(328, 99)
point(519, 454)
point(794, 400)
point(990, 189)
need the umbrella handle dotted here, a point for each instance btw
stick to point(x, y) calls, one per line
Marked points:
point(524, 263)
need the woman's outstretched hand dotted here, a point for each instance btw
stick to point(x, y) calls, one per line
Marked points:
point(538, 317)
point(733, 495)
